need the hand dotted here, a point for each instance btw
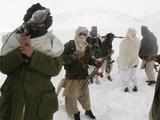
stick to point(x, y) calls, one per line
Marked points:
point(112, 51)
point(25, 45)
point(148, 58)
point(156, 58)
point(110, 36)
point(99, 62)
point(76, 55)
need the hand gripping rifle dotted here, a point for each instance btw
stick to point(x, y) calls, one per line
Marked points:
point(96, 71)
point(112, 36)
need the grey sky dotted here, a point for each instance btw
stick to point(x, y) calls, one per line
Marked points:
point(12, 11)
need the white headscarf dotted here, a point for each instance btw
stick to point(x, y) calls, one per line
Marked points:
point(128, 51)
point(81, 43)
point(47, 44)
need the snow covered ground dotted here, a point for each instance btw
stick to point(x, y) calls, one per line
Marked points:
point(109, 102)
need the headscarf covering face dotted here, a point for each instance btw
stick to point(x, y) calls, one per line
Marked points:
point(145, 31)
point(38, 19)
point(131, 34)
point(80, 39)
point(128, 50)
point(94, 31)
point(149, 46)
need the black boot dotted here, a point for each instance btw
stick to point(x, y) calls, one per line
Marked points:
point(109, 78)
point(89, 114)
point(126, 89)
point(151, 82)
point(135, 89)
point(77, 116)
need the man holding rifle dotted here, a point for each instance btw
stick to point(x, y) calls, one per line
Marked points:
point(77, 58)
point(30, 56)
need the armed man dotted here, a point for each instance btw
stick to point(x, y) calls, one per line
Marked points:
point(107, 53)
point(30, 56)
point(77, 56)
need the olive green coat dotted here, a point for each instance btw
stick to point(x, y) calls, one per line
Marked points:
point(28, 93)
point(155, 109)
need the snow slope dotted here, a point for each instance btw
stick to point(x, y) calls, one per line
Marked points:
point(109, 102)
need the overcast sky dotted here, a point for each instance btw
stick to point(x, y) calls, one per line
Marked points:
point(12, 11)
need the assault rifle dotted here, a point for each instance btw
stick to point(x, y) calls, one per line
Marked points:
point(114, 36)
point(96, 71)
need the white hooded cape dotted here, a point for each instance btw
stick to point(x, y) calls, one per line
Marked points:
point(47, 44)
point(128, 51)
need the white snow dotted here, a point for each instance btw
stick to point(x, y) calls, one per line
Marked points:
point(109, 102)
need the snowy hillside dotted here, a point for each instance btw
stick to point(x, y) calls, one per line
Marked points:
point(109, 102)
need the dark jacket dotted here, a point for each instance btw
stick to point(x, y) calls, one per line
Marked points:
point(76, 68)
point(107, 47)
point(149, 46)
point(155, 110)
point(29, 85)
point(96, 46)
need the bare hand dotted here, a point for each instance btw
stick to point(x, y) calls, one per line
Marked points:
point(25, 45)
point(156, 58)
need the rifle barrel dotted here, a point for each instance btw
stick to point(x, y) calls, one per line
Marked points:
point(119, 37)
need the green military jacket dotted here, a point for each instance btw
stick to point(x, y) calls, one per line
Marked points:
point(28, 87)
point(76, 69)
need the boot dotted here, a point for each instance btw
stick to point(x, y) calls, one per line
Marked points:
point(109, 78)
point(77, 116)
point(152, 82)
point(135, 89)
point(126, 89)
point(89, 114)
